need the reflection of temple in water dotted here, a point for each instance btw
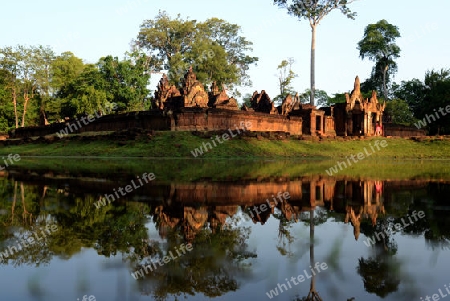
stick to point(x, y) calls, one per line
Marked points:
point(192, 207)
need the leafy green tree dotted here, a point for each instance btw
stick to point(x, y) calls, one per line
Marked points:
point(378, 45)
point(86, 94)
point(10, 60)
point(428, 99)
point(400, 112)
point(337, 98)
point(214, 48)
point(42, 60)
point(126, 81)
point(65, 68)
point(321, 97)
point(435, 101)
point(226, 35)
point(314, 11)
point(28, 70)
point(285, 76)
point(6, 106)
point(246, 100)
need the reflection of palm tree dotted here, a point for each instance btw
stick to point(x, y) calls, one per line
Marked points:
point(313, 295)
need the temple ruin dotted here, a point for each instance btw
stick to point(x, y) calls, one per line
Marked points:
point(191, 107)
point(359, 116)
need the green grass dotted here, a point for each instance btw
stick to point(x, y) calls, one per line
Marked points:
point(168, 155)
point(180, 145)
point(191, 170)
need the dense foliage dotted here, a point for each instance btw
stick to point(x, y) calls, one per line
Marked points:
point(39, 87)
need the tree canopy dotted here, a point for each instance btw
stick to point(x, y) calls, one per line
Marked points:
point(285, 76)
point(314, 11)
point(378, 45)
point(428, 98)
point(213, 48)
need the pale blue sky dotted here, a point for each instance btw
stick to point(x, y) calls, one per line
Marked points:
point(95, 28)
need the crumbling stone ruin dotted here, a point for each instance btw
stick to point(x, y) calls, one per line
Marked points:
point(261, 103)
point(220, 99)
point(192, 94)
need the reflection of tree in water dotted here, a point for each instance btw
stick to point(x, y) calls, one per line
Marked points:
point(379, 275)
point(109, 229)
point(285, 238)
point(23, 216)
point(313, 294)
point(217, 260)
point(213, 268)
point(380, 272)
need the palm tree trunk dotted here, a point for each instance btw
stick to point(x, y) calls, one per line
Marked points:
point(384, 82)
point(313, 63)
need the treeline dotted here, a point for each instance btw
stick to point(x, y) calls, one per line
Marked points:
point(38, 87)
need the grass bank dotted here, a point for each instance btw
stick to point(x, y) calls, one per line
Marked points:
point(193, 170)
point(182, 144)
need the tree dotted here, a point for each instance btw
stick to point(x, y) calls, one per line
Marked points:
point(321, 97)
point(65, 68)
point(413, 92)
point(285, 76)
point(399, 112)
point(126, 81)
point(437, 95)
point(214, 48)
point(428, 99)
point(6, 106)
point(314, 11)
point(378, 45)
point(29, 76)
point(9, 63)
point(86, 94)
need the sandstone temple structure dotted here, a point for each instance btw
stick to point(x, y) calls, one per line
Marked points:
point(192, 108)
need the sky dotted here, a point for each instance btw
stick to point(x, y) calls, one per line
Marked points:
point(92, 29)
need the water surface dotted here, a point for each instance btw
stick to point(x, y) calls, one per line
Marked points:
point(246, 238)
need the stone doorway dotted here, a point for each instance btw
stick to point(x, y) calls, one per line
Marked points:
point(357, 120)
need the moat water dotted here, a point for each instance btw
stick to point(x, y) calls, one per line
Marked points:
point(229, 231)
